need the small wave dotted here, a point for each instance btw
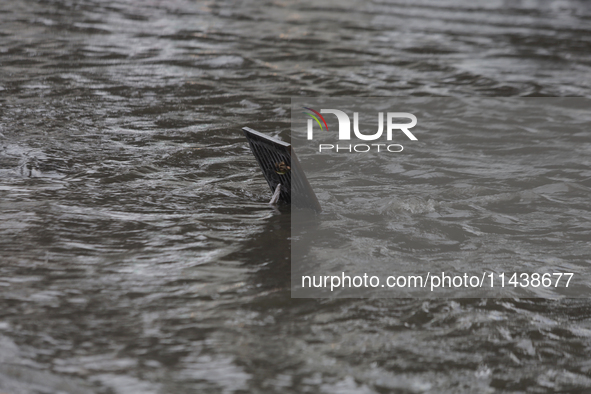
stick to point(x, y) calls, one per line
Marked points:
point(414, 206)
point(222, 61)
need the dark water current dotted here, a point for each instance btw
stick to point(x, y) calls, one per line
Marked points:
point(138, 254)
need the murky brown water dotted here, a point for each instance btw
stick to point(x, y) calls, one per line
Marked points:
point(138, 254)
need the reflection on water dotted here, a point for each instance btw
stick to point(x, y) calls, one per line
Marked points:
point(138, 252)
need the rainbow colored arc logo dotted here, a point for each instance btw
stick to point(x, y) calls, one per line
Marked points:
point(315, 118)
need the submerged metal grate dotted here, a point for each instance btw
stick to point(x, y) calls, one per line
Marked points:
point(280, 165)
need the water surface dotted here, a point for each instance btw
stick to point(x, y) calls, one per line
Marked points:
point(138, 252)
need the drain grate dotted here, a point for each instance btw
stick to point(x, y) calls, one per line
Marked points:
point(280, 166)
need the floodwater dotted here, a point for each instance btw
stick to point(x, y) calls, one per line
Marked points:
point(138, 253)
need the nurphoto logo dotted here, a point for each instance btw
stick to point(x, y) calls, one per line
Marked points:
point(344, 131)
